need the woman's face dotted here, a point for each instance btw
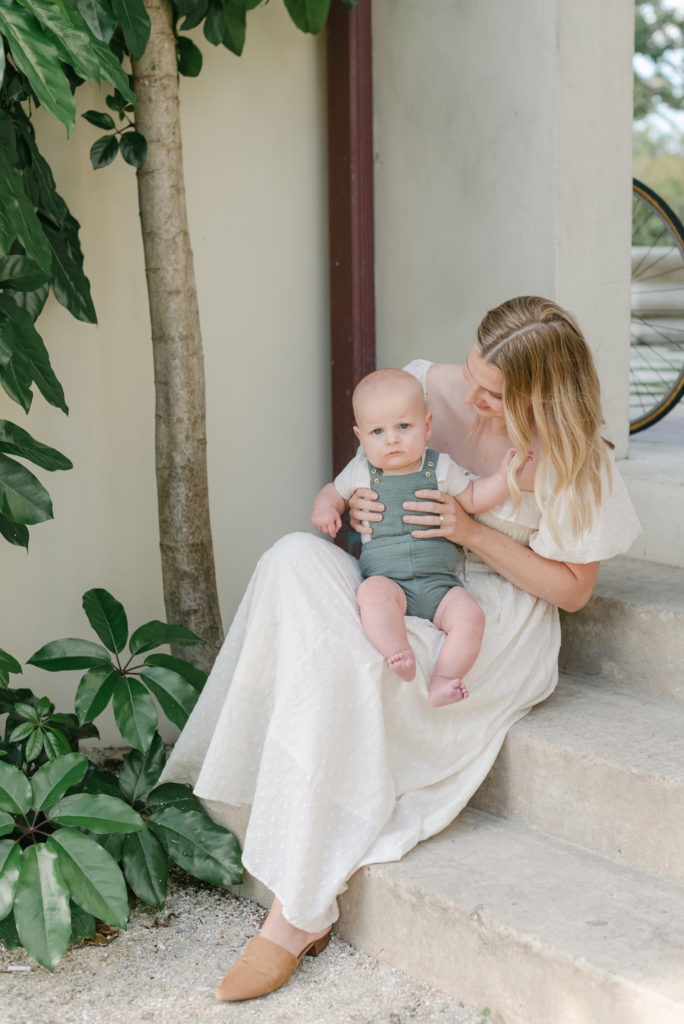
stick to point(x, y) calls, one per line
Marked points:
point(485, 386)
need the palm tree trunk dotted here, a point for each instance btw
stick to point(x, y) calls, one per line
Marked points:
point(188, 572)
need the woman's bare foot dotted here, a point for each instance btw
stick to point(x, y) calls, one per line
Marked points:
point(445, 691)
point(279, 930)
point(403, 663)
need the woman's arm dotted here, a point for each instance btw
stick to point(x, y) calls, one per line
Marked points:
point(566, 584)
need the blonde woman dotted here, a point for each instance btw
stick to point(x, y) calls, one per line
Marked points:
point(301, 717)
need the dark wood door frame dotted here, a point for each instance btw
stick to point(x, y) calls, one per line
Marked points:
point(350, 191)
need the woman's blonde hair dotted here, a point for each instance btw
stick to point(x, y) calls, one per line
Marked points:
point(551, 384)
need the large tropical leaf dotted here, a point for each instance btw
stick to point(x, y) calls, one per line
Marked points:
point(94, 692)
point(155, 633)
point(199, 845)
point(93, 876)
point(195, 676)
point(38, 179)
point(173, 794)
point(15, 790)
point(52, 781)
point(41, 906)
point(69, 283)
point(135, 24)
point(59, 655)
point(82, 924)
point(99, 17)
point(10, 865)
point(8, 932)
point(140, 772)
point(96, 811)
point(18, 219)
point(146, 866)
point(175, 695)
point(16, 441)
point(36, 55)
point(308, 15)
point(15, 533)
point(135, 713)
point(23, 499)
point(33, 349)
point(21, 274)
point(7, 824)
point(107, 617)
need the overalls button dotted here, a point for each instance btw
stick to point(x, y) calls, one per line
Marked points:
point(430, 463)
point(376, 480)
point(428, 474)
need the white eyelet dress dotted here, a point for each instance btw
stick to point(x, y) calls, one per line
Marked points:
point(341, 762)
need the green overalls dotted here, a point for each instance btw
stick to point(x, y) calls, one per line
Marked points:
point(424, 569)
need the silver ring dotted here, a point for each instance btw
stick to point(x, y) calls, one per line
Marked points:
point(441, 518)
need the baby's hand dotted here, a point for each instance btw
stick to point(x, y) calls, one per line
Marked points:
point(327, 520)
point(508, 458)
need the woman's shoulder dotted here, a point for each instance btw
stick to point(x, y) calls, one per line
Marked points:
point(435, 377)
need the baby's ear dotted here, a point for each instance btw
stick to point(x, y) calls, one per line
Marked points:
point(428, 425)
point(357, 432)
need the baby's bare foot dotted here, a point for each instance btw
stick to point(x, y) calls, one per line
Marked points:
point(445, 691)
point(403, 663)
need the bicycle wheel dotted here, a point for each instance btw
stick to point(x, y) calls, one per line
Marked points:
point(656, 356)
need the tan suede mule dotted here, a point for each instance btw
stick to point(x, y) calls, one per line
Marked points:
point(263, 967)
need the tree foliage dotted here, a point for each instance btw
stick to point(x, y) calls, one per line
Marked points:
point(659, 67)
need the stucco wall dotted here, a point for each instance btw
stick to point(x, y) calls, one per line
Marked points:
point(503, 167)
point(254, 148)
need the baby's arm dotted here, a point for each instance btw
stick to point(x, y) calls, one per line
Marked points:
point(327, 510)
point(488, 491)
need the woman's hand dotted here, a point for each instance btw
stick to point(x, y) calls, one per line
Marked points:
point(440, 516)
point(363, 506)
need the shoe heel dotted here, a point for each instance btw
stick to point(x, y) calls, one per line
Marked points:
point(319, 945)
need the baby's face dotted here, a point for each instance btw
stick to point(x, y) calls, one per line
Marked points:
point(393, 429)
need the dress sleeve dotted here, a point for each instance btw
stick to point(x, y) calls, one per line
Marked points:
point(614, 529)
point(451, 477)
point(419, 368)
point(355, 474)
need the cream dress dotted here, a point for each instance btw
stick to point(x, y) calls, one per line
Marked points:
point(342, 763)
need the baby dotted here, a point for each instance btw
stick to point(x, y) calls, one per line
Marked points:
point(405, 575)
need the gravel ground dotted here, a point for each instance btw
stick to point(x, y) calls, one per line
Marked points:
point(165, 969)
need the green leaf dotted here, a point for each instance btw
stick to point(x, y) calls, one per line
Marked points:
point(103, 151)
point(21, 732)
point(15, 533)
point(99, 17)
point(105, 121)
point(175, 695)
point(18, 219)
point(141, 771)
point(39, 181)
point(34, 745)
point(69, 283)
point(69, 33)
point(9, 663)
point(16, 441)
point(6, 826)
point(33, 348)
point(107, 617)
point(195, 11)
point(10, 865)
point(113, 843)
point(133, 148)
point(52, 780)
point(41, 906)
point(35, 54)
point(146, 867)
point(93, 876)
point(135, 24)
point(23, 498)
point(21, 273)
point(55, 743)
point(189, 57)
point(33, 302)
point(15, 790)
point(199, 845)
point(226, 23)
point(195, 676)
point(308, 15)
point(99, 780)
point(155, 633)
point(173, 794)
point(95, 691)
point(8, 932)
point(69, 653)
point(98, 812)
point(82, 924)
point(135, 713)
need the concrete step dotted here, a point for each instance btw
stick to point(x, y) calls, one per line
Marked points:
point(600, 768)
point(654, 475)
point(632, 630)
point(533, 927)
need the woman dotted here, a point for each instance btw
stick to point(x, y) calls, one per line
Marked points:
point(301, 719)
